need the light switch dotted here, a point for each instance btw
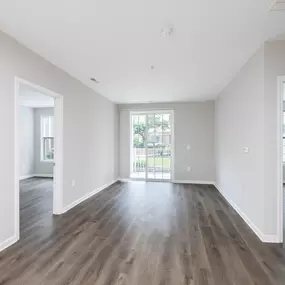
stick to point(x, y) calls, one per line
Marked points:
point(246, 149)
point(188, 147)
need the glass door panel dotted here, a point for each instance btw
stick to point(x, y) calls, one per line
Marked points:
point(150, 146)
point(158, 147)
point(151, 152)
point(138, 167)
point(166, 145)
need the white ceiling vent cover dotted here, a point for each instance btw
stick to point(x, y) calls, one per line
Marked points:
point(278, 5)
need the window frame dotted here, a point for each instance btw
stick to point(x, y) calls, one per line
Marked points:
point(44, 138)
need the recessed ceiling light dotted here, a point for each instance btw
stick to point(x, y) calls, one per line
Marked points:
point(94, 80)
point(167, 31)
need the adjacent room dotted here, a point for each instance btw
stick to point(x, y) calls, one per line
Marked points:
point(142, 142)
point(36, 157)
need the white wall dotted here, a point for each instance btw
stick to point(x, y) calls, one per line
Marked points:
point(193, 125)
point(26, 138)
point(89, 129)
point(246, 116)
point(41, 167)
point(239, 124)
point(274, 67)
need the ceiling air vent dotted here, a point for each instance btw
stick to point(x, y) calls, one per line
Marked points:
point(94, 80)
point(278, 5)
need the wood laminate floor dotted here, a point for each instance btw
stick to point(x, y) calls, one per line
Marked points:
point(139, 233)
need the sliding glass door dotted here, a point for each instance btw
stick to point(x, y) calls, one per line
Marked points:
point(151, 145)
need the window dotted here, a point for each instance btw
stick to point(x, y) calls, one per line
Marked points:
point(47, 138)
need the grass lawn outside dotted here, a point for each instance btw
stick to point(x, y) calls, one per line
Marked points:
point(157, 160)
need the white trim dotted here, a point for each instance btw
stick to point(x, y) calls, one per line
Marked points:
point(8, 242)
point(26, 176)
point(127, 179)
point(279, 158)
point(16, 166)
point(58, 156)
point(87, 196)
point(131, 143)
point(172, 159)
point(43, 175)
point(150, 111)
point(58, 114)
point(36, 175)
point(46, 161)
point(263, 237)
point(206, 182)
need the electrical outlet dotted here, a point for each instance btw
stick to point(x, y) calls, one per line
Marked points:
point(189, 168)
point(188, 147)
point(73, 183)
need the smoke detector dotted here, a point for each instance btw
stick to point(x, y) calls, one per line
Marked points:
point(167, 31)
point(278, 5)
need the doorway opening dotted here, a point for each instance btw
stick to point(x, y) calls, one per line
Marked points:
point(152, 145)
point(38, 154)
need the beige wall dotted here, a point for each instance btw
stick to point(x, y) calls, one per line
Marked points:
point(246, 116)
point(193, 125)
point(89, 129)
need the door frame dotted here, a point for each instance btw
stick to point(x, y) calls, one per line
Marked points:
point(58, 150)
point(172, 161)
point(280, 201)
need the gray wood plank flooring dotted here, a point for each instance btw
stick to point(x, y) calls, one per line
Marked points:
point(138, 233)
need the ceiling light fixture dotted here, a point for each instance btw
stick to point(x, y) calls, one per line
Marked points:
point(94, 80)
point(167, 31)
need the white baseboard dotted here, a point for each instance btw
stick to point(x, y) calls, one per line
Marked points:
point(124, 179)
point(87, 196)
point(172, 181)
point(36, 175)
point(26, 176)
point(43, 175)
point(263, 237)
point(8, 242)
point(194, 182)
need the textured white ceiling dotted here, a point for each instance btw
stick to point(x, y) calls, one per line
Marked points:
point(30, 97)
point(117, 42)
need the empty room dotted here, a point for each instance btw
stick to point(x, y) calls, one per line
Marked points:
point(36, 147)
point(142, 142)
